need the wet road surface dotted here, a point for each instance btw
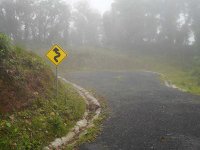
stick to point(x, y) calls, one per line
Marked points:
point(145, 114)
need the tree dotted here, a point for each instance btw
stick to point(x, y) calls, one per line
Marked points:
point(85, 29)
point(194, 14)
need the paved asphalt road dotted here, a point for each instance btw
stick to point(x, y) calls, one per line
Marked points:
point(145, 114)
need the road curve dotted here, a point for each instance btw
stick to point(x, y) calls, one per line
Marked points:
point(145, 114)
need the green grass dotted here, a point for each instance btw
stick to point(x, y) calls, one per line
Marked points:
point(30, 115)
point(91, 133)
point(182, 79)
point(83, 59)
point(42, 122)
point(174, 70)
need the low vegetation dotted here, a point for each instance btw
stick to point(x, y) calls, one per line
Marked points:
point(91, 133)
point(180, 69)
point(30, 115)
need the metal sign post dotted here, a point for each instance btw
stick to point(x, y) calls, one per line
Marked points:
point(56, 82)
point(56, 55)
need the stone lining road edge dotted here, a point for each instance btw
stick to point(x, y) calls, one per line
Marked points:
point(83, 124)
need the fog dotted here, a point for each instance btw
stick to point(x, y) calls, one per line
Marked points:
point(100, 5)
point(118, 34)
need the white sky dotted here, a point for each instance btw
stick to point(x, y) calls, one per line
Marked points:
point(100, 5)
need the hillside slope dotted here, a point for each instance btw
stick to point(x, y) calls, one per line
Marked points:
point(30, 115)
point(23, 77)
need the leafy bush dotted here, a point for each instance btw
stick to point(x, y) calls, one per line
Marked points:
point(57, 126)
point(5, 47)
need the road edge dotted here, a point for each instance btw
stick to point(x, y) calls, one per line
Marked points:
point(93, 106)
point(166, 82)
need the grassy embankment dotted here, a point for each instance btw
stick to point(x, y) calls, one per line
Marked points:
point(179, 69)
point(30, 116)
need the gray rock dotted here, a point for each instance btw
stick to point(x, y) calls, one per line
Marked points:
point(46, 148)
point(76, 129)
point(82, 123)
point(56, 143)
point(68, 138)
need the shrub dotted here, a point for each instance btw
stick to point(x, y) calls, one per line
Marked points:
point(5, 47)
point(56, 125)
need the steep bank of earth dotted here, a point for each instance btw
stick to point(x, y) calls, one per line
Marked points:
point(30, 115)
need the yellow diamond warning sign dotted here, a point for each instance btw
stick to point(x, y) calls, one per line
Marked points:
point(56, 54)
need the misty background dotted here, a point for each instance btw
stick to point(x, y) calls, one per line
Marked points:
point(121, 34)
